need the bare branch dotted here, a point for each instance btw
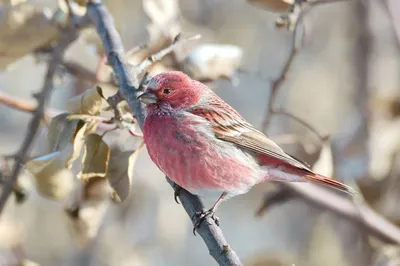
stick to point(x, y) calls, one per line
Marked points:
point(65, 40)
point(295, 17)
point(102, 19)
point(374, 223)
point(278, 82)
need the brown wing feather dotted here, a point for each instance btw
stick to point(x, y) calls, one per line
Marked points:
point(229, 125)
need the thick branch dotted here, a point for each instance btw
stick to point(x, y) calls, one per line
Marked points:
point(209, 231)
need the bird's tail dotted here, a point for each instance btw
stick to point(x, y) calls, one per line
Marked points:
point(315, 178)
point(291, 174)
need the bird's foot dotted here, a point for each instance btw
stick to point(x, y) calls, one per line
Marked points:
point(177, 189)
point(201, 216)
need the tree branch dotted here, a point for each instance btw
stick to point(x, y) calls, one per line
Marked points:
point(68, 36)
point(373, 222)
point(209, 231)
point(295, 16)
point(25, 105)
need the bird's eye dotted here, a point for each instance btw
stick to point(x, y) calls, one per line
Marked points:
point(167, 91)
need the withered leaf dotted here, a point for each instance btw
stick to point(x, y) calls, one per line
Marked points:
point(78, 140)
point(120, 172)
point(89, 102)
point(61, 132)
point(95, 157)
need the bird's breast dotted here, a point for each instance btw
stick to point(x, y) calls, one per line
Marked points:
point(185, 148)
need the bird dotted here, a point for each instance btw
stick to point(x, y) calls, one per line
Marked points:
point(206, 147)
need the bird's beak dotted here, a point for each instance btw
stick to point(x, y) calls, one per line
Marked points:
point(147, 97)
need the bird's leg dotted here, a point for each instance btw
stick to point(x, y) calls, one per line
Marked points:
point(177, 189)
point(201, 216)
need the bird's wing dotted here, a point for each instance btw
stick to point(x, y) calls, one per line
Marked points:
point(229, 125)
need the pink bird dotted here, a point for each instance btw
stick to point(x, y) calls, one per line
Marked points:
point(206, 147)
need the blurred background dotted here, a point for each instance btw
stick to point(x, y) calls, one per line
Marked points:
point(344, 82)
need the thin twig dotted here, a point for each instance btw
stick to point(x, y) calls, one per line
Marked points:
point(278, 82)
point(301, 121)
point(299, 12)
point(65, 40)
point(102, 19)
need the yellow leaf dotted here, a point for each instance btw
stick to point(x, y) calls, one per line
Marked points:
point(95, 157)
point(120, 172)
point(89, 102)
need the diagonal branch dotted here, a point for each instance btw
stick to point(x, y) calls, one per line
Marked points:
point(209, 231)
point(66, 39)
point(374, 223)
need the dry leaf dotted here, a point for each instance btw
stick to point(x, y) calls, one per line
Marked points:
point(95, 157)
point(79, 139)
point(61, 132)
point(120, 172)
point(213, 61)
point(89, 102)
point(278, 6)
point(53, 180)
point(23, 29)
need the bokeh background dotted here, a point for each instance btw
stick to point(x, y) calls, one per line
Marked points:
point(344, 82)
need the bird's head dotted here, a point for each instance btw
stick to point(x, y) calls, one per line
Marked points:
point(173, 89)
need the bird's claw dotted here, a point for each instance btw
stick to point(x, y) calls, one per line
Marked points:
point(177, 189)
point(201, 216)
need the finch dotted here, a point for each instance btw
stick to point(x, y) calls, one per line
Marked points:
point(206, 147)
